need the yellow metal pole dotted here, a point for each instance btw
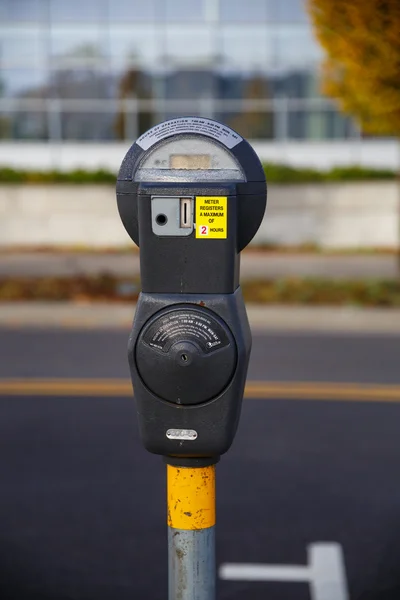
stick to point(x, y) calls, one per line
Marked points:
point(191, 497)
point(191, 532)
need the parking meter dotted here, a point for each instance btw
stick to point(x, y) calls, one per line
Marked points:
point(191, 194)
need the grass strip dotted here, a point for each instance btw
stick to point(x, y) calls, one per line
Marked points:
point(287, 291)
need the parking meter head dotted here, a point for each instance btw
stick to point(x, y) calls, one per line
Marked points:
point(191, 193)
point(194, 151)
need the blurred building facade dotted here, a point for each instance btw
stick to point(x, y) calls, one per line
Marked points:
point(108, 69)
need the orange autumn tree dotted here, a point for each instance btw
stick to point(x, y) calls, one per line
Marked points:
point(361, 68)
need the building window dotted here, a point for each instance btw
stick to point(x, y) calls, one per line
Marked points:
point(77, 11)
point(254, 11)
point(126, 11)
point(184, 11)
point(189, 45)
point(23, 125)
point(23, 11)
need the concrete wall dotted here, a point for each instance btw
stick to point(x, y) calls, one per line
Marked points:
point(69, 155)
point(350, 215)
point(60, 216)
point(328, 215)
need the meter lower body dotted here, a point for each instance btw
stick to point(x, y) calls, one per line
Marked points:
point(188, 356)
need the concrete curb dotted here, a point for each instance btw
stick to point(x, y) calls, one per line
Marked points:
point(262, 318)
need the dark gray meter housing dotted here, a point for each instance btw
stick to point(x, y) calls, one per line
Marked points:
point(191, 193)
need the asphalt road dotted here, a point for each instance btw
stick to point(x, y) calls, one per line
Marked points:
point(83, 506)
point(276, 356)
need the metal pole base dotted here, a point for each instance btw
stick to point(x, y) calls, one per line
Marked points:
point(191, 564)
point(191, 533)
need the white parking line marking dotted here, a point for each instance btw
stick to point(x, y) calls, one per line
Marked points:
point(325, 572)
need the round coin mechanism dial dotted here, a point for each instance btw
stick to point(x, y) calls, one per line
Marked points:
point(186, 355)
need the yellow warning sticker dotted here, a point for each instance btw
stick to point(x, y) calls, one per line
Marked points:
point(211, 217)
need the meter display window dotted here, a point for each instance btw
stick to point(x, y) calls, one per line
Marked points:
point(189, 158)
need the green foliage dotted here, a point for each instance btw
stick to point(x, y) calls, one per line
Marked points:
point(8, 175)
point(78, 177)
point(356, 173)
point(275, 173)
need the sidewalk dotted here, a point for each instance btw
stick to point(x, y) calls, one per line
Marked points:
point(254, 265)
point(262, 318)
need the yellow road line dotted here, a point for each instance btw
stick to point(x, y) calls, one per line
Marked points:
point(66, 387)
point(254, 389)
point(323, 391)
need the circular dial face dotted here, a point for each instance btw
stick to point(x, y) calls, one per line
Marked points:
point(186, 354)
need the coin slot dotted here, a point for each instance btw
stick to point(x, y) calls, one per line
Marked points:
point(186, 213)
